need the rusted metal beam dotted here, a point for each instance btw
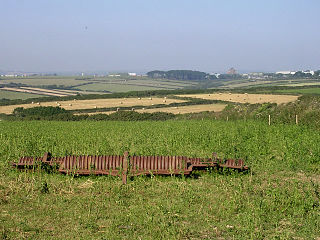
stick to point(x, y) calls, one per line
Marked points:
point(128, 165)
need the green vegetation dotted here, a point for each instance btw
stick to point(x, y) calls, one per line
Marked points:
point(278, 199)
point(17, 95)
point(60, 114)
point(313, 90)
point(180, 75)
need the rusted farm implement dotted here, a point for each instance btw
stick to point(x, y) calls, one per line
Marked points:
point(126, 165)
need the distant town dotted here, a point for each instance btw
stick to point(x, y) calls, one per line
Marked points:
point(231, 73)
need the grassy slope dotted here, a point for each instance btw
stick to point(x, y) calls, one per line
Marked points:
point(278, 199)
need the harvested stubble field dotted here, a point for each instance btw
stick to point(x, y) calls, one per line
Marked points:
point(175, 110)
point(95, 103)
point(245, 98)
point(278, 199)
point(187, 109)
point(41, 91)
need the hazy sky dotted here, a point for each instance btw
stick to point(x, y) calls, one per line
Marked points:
point(143, 35)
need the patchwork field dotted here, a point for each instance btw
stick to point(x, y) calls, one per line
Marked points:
point(124, 83)
point(278, 198)
point(95, 103)
point(245, 98)
point(95, 84)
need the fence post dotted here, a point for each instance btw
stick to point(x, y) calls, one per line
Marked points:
point(297, 119)
point(269, 120)
point(227, 118)
point(125, 168)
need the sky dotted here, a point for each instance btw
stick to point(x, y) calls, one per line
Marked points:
point(145, 35)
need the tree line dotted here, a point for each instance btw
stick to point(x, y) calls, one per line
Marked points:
point(189, 75)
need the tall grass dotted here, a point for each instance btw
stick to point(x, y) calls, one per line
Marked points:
point(278, 199)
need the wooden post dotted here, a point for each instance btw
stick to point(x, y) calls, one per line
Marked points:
point(227, 118)
point(269, 120)
point(125, 168)
point(297, 119)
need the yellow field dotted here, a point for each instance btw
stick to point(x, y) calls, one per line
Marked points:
point(176, 110)
point(245, 98)
point(95, 103)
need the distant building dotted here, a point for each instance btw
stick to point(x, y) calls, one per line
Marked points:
point(256, 74)
point(308, 71)
point(132, 74)
point(286, 72)
point(232, 71)
point(10, 75)
point(246, 75)
point(215, 74)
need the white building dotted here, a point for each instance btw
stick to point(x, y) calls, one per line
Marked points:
point(132, 74)
point(308, 71)
point(286, 72)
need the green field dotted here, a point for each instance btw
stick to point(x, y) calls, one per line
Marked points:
point(278, 199)
point(301, 91)
point(115, 87)
point(45, 81)
point(17, 95)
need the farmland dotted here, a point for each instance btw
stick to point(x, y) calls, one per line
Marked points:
point(16, 95)
point(96, 103)
point(277, 199)
point(245, 98)
point(188, 109)
point(155, 104)
point(314, 90)
point(176, 110)
point(91, 84)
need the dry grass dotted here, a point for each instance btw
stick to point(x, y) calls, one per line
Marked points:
point(174, 110)
point(245, 98)
point(95, 103)
point(187, 109)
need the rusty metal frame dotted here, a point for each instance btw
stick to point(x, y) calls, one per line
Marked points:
point(126, 165)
